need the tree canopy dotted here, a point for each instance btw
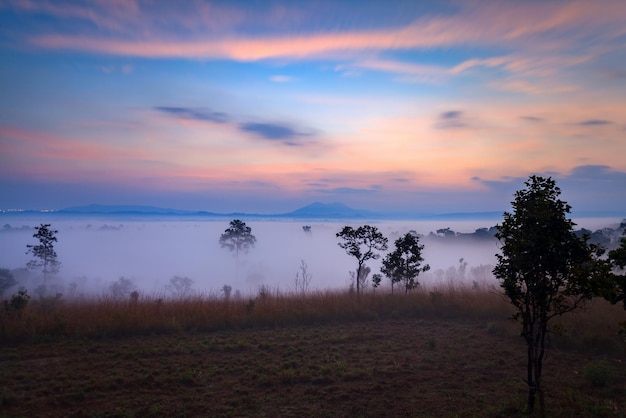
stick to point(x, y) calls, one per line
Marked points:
point(404, 264)
point(238, 237)
point(45, 257)
point(362, 243)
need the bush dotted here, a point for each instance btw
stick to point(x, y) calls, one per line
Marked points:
point(18, 302)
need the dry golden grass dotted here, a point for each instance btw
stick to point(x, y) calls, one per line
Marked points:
point(595, 328)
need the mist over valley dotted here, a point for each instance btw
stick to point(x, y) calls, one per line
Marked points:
point(97, 249)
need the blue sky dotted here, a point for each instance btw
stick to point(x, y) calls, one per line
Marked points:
point(266, 106)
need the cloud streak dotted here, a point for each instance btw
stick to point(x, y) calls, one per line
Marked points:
point(276, 132)
point(451, 119)
point(195, 114)
point(595, 122)
point(487, 24)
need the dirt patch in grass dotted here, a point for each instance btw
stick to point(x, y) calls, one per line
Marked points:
point(377, 368)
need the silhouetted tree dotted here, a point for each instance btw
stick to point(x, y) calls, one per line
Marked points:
point(362, 243)
point(404, 264)
point(226, 290)
point(376, 280)
point(45, 257)
point(238, 237)
point(544, 269)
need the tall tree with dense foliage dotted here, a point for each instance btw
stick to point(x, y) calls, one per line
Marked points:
point(404, 264)
point(362, 243)
point(238, 237)
point(544, 269)
point(44, 255)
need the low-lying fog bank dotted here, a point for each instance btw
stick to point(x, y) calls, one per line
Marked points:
point(97, 252)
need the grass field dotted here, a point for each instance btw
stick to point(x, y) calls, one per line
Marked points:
point(444, 352)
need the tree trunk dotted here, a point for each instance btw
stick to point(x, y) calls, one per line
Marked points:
point(529, 379)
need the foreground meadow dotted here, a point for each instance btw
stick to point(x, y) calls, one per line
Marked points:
point(444, 352)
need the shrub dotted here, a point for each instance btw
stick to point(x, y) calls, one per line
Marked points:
point(18, 302)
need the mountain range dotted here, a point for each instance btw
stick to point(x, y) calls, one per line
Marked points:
point(315, 210)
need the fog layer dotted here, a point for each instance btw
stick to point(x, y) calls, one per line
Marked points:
point(96, 252)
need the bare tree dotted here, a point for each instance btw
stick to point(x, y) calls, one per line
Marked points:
point(303, 278)
point(180, 287)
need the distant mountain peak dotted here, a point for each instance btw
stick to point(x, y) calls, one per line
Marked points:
point(329, 210)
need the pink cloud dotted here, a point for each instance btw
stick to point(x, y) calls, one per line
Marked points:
point(485, 23)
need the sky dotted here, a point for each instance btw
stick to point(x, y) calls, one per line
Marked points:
point(267, 106)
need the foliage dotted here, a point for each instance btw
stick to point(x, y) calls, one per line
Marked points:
point(544, 269)
point(238, 237)
point(227, 290)
point(376, 279)
point(615, 287)
point(404, 264)
point(45, 257)
point(303, 278)
point(17, 303)
point(6, 280)
point(122, 288)
point(180, 287)
point(362, 244)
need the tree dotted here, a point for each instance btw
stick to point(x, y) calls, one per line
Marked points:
point(362, 243)
point(180, 287)
point(6, 280)
point(613, 287)
point(404, 264)
point(544, 269)
point(376, 279)
point(238, 237)
point(226, 290)
point(303, 278)
point(617, 258)
point(45, 257)
point(362, 277)
point(123, 288)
